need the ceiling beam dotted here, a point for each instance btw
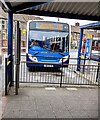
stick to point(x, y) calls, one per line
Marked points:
point(26, 5)
point(5, 6)
point(9, 5)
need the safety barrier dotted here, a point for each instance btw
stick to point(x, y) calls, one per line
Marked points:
point(62, 75)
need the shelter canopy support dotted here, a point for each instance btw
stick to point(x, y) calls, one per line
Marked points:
point(94, 26)
point(79, 49)
point(10, 46)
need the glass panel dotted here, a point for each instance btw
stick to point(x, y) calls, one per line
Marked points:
point(51, 40)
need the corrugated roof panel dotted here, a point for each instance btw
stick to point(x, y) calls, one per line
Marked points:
point(89, 8)
point(53, 6)
point(47, 7)
point(59, 6)
point(69, 7)
point(44, 7)
point(98, 13)
point(41, 8)
point(94, 11)
point(76, 5)
point(62, 9)
point(81, 8)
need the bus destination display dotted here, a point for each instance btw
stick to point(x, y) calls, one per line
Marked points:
point(49, 26)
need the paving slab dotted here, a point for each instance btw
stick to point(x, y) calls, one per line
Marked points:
point(58, 103)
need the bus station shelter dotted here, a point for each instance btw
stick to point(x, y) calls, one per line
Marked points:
point(73, 10)
point(93, 26)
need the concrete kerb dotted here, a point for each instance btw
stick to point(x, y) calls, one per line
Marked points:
point(42, 85)
point(34, 85)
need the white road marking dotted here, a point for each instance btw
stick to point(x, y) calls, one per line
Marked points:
point(71, 88)
point(50, 88)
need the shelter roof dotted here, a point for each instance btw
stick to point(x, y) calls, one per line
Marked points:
point(95, 26)
point(56, 8)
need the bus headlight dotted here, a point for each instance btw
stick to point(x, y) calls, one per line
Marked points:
point(34, 59)
point(65, 58)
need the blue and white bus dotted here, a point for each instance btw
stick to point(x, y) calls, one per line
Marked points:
point(47, 42)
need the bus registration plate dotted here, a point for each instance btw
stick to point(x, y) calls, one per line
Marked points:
point(48, 65)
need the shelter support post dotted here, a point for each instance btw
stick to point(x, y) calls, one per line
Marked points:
point(17, 56)
point(10, 47)
point(79, 50)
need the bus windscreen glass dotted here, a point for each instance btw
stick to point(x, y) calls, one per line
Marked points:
point(52, 40)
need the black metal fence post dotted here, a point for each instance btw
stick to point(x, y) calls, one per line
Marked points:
point(19, 53)
point(84, 63)
point(61, 72)
point(6, 76)
point(78, 65)
point(98, 73)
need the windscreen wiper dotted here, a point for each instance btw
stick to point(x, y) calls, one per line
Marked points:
point(36, 53)
point(61, 54)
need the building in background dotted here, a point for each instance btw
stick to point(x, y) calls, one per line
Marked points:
point(75, 34)
point(23, 26)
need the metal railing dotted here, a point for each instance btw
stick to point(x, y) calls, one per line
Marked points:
point(62, 75)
